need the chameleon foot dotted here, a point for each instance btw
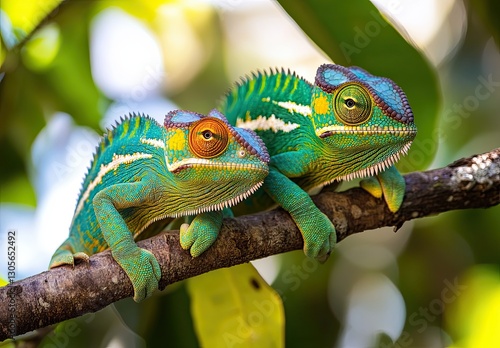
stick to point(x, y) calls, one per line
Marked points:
point(372, 186)
point(390, 184)
point(66, 257)
point(201, 234)
point(142, 268)
point(319, 236)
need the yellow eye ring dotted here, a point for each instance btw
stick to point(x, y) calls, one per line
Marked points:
point(352, 104)
point(208, 137)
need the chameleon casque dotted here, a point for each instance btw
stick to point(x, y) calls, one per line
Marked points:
point(144, 175)
point(347, 124)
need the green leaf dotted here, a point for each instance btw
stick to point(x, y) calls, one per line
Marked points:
point(39, 52)
point(355, 33)
point(235, 306)
point(66, 83)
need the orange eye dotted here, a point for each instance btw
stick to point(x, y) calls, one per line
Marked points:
point(208, 137)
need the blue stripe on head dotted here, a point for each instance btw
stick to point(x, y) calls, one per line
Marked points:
point(217, 114)
point(384, 87)
point(330, 76)
point(183, 116)
point(254, 142)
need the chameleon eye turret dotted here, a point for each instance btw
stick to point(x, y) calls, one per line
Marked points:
point(352, 104)
point(208, 137)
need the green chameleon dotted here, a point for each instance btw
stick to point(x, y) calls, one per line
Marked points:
point(348, 124)
point(144, 175)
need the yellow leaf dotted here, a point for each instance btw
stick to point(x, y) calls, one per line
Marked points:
point(235, 307)
point(41, 49)
point(3, 53)
point(475, 316)
point(21, 17)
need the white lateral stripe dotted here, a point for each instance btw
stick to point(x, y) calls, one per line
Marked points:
point(209, 162)
point(262, 123)
point(116, 161)
point(186, 161)
point(304, 110)
point(153, 142)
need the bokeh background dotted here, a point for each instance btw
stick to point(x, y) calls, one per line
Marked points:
point(70, 70)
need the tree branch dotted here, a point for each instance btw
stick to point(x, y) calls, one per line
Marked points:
point(63, 293)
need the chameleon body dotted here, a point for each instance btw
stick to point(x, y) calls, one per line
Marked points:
point(145, 174)
point(347, 124)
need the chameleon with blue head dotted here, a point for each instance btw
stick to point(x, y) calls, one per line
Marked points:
point(143, 175)
point(347, 124)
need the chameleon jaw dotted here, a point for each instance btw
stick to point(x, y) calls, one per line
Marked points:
point(373, 169)
point(214, 207)
point(222, 205)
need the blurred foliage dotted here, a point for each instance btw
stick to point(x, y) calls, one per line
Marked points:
point(357, 34)
point(474, 318)
point(20, 18)
point(489, 10)
point(49, 71)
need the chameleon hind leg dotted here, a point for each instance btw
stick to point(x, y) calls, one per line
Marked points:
point(65, 255)
point(139, 264)
point(390, 184)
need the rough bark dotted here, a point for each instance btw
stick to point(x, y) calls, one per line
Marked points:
point(63, 293)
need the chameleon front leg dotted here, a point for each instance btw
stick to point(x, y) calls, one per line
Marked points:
point(201, 233)
point(317, 230)
point(140, 265)
point(390, 184)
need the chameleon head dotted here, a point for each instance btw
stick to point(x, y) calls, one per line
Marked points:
point(365, 120)
point(219, 162)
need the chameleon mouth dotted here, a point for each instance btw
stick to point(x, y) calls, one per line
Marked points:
point(200, 163)
point(376, 168)
point(331, 130)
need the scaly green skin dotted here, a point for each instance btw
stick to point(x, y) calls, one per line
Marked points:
point(347, 124)
point(143, 175)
